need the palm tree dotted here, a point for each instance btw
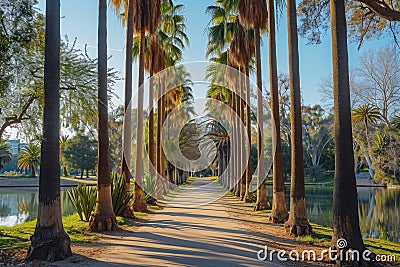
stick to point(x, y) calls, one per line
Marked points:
point(162, 49)
point(29, 158)
point(297, 223)
point(241, 53)
point(367, 114)
point(127, 127)
point(345, 205)
point(223, 25)
point(146, 18)
point(103, 218)
point(49, 241)
point(253, 13)
point(279, 212)
point(5, 154)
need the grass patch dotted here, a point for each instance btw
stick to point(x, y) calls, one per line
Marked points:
point(213, 178)
point(18, 236)
point(266, 212)
point(140, 214)
point(322, 236)
point(154, 207)
point(229, 193)
point(251, 204)
point(123, 221)
point(190, 179)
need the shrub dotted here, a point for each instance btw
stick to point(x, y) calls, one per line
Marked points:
point(119, 197)
point(83, 197)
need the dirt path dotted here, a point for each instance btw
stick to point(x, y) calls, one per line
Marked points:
point(181, 234)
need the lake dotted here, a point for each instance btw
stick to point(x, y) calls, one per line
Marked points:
point(379, 210)
point(18, 205)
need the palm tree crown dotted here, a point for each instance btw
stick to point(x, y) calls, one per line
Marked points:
point(29, 158)
point(366, 114)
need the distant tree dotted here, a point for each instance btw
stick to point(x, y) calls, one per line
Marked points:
point(5, 154)
point(316, 136)
point(115, 123)
point(378, 81)
point(81, 153)
point(366, 19)
point(17, 32)
point(29, 158)
point(22, 102)
point(64, 139)
point(366, 115)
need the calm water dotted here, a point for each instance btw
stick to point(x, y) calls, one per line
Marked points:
point(379, 210)
point(18, 205)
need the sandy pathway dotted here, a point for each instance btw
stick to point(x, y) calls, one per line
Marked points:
point(183, 234)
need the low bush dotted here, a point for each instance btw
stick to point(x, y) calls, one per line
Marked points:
point(120, 197)
point(83, 197)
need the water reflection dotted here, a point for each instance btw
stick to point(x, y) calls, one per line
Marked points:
point(379, 210)
point(18, 205)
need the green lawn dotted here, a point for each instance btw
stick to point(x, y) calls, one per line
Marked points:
point(18, 236)
point(322, 236)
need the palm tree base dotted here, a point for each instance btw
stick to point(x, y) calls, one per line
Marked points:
point(102, 223)
point(261, 205)
point(360, 262)
point(297, 227)
point(247, 199)
point(128, 212)
point(140, 206)
point(278, 216)
point(47, 248)
point(242, 192)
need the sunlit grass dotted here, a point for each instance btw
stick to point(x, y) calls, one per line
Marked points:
point(18, 236)
point(322, 236)
point(140, 214)
point(213, 178)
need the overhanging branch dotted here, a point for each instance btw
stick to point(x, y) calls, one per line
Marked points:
point(382, 9)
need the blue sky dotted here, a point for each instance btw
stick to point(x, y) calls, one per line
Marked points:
point(79, 19)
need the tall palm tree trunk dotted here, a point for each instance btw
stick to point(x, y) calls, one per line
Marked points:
point(368, 157)
point(159, 189)
point(237, 141)
point(261, 203)
point(127, 131)
point(139, 204)
point(151, 126)
point(232, 170)
point(279, 212)
point(242, 138)
point(163, 162)
point(345, 206)
point(297, 224)
point(249, 171)
point(103, 218)
point(49, 241)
